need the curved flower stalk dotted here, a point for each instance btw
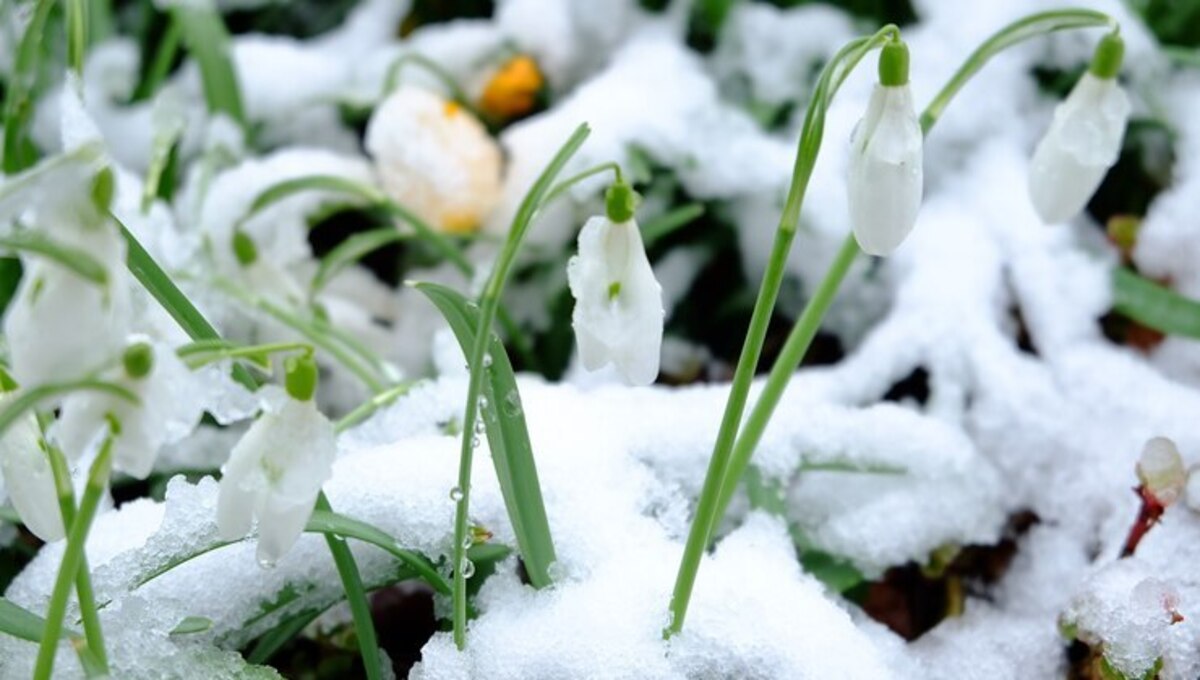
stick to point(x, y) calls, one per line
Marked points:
point(167, 410)
point(275, 472)
point(28, 476)
point(618, 315)
point(435, 158)
point(1083, 141)
point(886, 174)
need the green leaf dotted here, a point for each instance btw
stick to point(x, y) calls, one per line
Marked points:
point(207, 41)
point(507, 436)
point(20, 87)
point(163, 289)
point(662, 226)
point(28, 399)
point(192, 625)
point(836, 573)
point(74, 259)
point(10, 278)
point(1155, 306)
point(20, 622)
point(369, 195)
point(328, 522)
point(350, 251)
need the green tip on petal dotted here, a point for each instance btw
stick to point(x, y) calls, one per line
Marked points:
point(7, 382)
point(244, 248)
point(138, 360)
point(893, 64)
point(103, 188)
point(300, 377)
point(620, 201)
point(1106, 62)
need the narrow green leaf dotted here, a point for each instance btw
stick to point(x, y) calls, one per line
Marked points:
point(74, 259)
point(350, 251)
point(28, 399)
point(20, 88)
point(168, 122)
point(20, 622)
point(160, 64)
point(508, 437)
point(10, 278)
point(192, 625)
point(278, 636)
point(658, 228)
point(328, 522)
point(163, 289)
point(1155, 306)
point(207, 41)
point(93, 665)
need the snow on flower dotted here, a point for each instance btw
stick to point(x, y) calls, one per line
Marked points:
point(435, 158)
point(1083, 142)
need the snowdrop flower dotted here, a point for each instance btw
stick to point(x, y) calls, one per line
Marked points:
point(53, 303)
point(27, 476)
point(886, 175)
point(167, 410)
point(435, 158)
point(1083, 141)
point(618, 314)
point(277, 469)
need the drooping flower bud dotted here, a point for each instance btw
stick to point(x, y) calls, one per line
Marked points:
point(274, 474)
point(618, 315)
point(1161, 472)
point(886, 169)
point(1083, 141)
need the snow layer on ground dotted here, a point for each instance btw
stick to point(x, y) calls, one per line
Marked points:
point(1054, 428)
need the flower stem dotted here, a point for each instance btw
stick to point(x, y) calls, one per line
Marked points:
point(83, 580)
point(73, 558)
point(356, 597)
point(733, 450)
point(489, 304)
point(806, 157)
point(391, 79)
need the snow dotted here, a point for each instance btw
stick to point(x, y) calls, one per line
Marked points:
point(1056, 428)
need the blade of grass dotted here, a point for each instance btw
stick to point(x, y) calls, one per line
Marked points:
point(489, 305)
point(508, 437)
point(350, 251)
point(1154, 306)
point(207, 41)
point(20, 88)
point(20, 622)
point(30, 398)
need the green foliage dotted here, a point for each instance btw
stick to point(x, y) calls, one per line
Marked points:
point(1173, 22)
point(1155, 306)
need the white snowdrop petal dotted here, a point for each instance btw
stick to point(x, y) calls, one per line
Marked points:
point(1083, 142)
point(1160, 470)
point(29, 480)
point(618, 316)
point(281, 523)
point(886, 171)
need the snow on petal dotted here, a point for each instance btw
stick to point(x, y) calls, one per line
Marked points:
point(1083, 142)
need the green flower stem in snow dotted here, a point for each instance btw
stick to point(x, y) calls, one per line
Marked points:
point(733, 451)
point(156, 281)
point(832, 76)
point(489, 303)
point(83, 580)
point(72, 560)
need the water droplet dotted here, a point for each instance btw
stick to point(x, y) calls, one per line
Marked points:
point(266, 563)
point(468, 568)
point(487, 360)
point(475, 442)
point(468, 542)
point(479, 427)
point(512, 404)
point(456, 494)
point(483, 403)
